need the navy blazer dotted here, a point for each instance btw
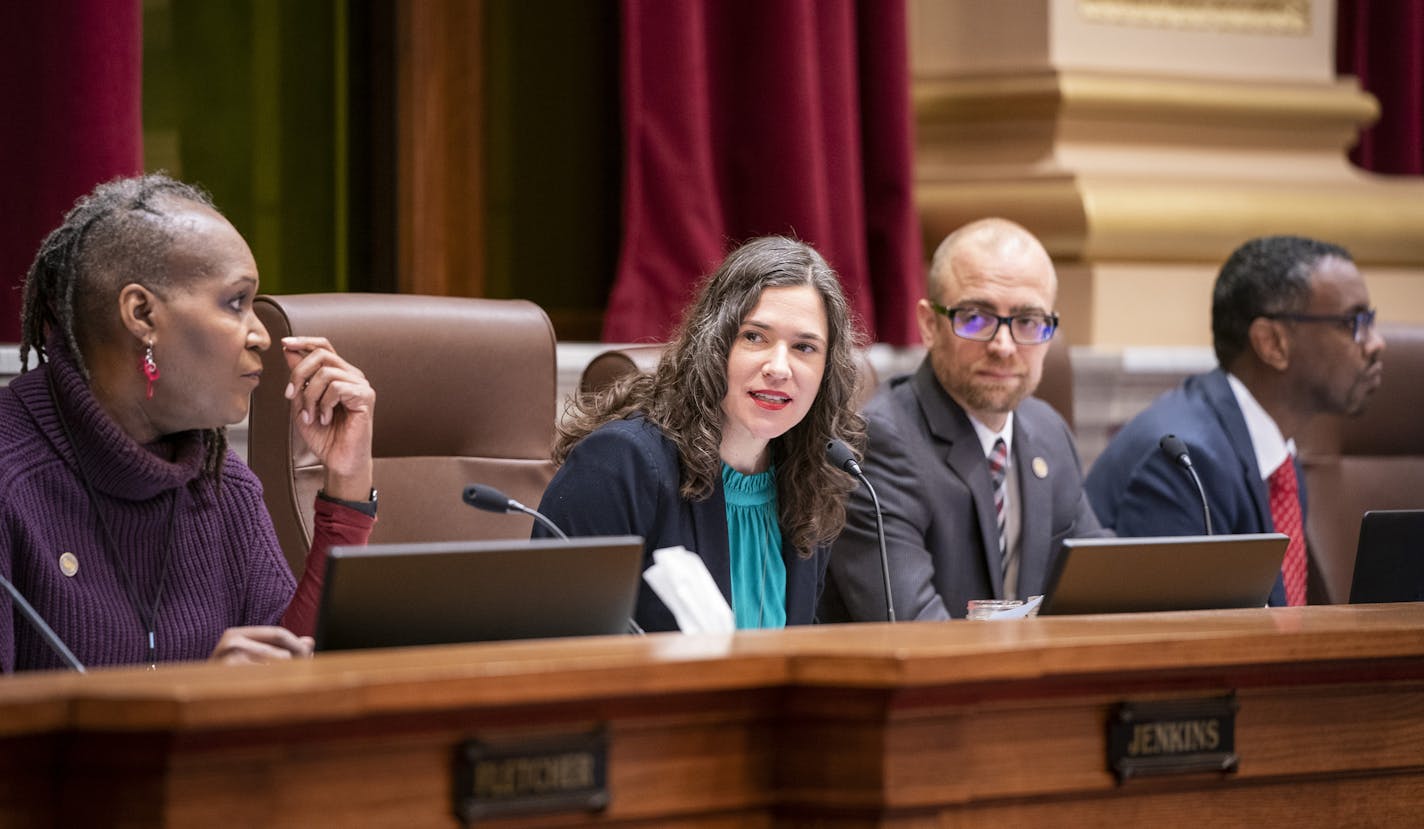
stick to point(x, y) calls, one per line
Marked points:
point(941, 535)
point(1138, 491)
point(623, 479)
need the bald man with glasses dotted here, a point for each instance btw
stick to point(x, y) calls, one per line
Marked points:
point(980, 483)
point(1295, 337)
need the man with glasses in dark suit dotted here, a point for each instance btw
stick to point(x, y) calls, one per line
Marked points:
point(1295, 337)
point(980, 482)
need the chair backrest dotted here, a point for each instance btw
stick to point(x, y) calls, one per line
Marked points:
point(605, 369)
point(465, 394)
point(1373, 461)
point(608, 367)
point(1056, 387)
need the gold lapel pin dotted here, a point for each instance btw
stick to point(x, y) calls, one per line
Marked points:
point(1040, 467)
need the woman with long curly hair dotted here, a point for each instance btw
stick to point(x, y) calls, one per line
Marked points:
point(722, 449)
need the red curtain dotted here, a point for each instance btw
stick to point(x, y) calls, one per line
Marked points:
point(1382, 42)
point(70, 99)
point(748, 117)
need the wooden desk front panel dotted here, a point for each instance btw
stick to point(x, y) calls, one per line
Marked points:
point(874, 725)
point(698, 760)
point(1044, 759)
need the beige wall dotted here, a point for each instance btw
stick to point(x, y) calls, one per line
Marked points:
point(1143, 140)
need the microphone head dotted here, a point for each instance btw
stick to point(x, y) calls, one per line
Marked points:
point(486, 498)
point(841, 456)
point(1174, 448)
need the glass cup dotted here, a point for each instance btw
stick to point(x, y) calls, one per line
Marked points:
point(986, 608)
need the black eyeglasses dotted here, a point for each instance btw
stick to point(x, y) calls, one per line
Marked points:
point(1360, 323)
point(979, 325)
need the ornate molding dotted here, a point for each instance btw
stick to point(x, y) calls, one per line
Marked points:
point(1275, 17)
point(1101, 218)
point(1110, 168)
point(984, 98)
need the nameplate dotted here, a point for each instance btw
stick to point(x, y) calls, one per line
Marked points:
point(540, 775)
point(1172, 737)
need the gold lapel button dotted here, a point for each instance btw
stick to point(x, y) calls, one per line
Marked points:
point(68, 564)
point(1040, 468)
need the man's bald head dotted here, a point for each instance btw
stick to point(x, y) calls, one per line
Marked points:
point(988, 269)
point(986, 241)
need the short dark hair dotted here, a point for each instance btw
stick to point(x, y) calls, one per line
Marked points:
point(1267, 275)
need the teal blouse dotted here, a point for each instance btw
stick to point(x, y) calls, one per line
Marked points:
point(754, 540)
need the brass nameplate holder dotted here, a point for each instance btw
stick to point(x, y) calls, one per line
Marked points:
point(1173, 737)
point(535, 776)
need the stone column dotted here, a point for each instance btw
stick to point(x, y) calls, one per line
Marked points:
point(1143, 140)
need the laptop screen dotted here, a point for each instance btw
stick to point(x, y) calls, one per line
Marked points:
point(1389, 561)
point(395, 595)
point(1128, 575)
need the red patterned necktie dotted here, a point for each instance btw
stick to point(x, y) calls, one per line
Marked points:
point(1285, 514)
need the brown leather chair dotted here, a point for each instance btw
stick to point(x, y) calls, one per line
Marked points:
point(465, 392)
point(1056, 387)
point(1374, 461)
point(602, 371)
point(606, 369)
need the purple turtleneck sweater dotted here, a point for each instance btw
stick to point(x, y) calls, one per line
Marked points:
point(225, 567)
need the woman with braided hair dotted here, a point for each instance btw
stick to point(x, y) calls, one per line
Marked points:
point(124, 518)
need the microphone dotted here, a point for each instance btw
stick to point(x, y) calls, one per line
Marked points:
point(1173, 447)
point(51, 638)
point(490, 499)
point(842, 458)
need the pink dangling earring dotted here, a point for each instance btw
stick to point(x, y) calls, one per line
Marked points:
point(149, 369)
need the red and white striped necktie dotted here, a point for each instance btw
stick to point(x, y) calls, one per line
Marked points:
point(998, 473)
point(1285, 514)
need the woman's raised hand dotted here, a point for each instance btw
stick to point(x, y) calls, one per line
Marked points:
point(334, 407)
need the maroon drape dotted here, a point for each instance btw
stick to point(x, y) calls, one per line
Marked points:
point(70, 84)
point(1382, 42)
point(748, 117)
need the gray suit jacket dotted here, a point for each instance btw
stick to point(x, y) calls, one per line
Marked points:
point(928, 467)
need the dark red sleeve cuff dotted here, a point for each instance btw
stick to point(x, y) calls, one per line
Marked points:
point(335, 525)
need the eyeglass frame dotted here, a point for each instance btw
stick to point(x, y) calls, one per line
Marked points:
point(1000, 322)
point(1360, 322)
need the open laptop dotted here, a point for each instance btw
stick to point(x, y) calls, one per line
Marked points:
point(1130, 575)
point(393, 595)
point(1389, 561)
